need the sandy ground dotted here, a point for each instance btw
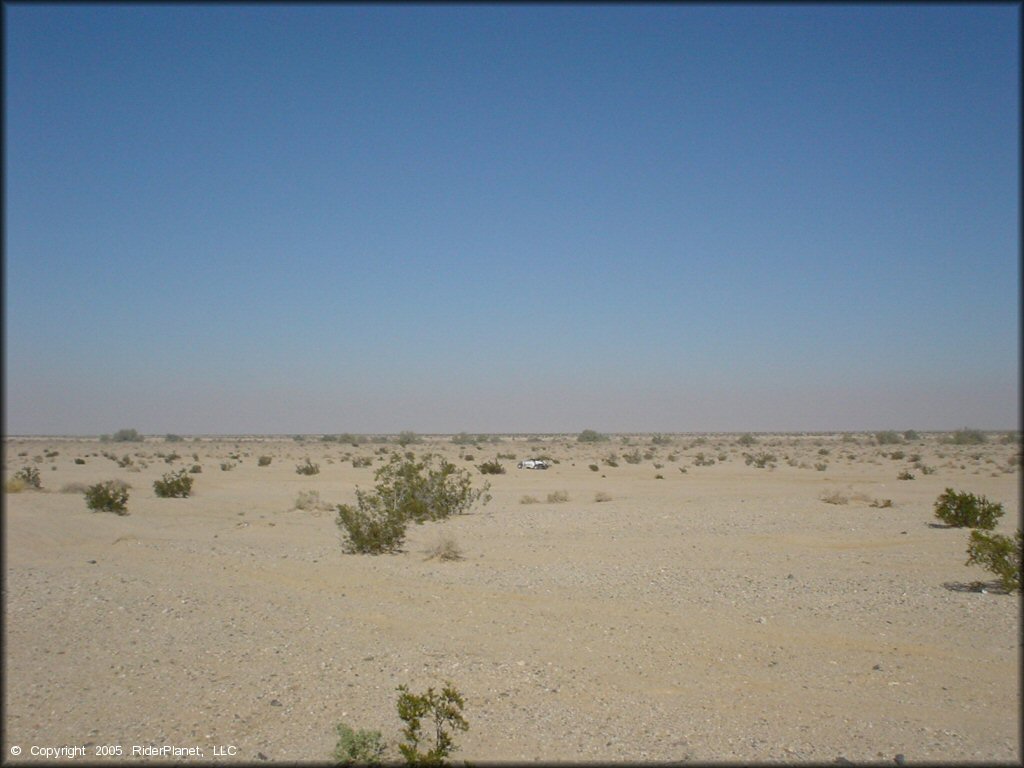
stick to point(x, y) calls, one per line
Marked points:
point(724, 613)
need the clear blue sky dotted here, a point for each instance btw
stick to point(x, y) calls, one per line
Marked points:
point(284, 219)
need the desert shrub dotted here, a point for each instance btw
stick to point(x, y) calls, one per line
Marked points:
point(124, 461)
point(911, 435)
point(371, 526)
point(108, 496)
point(359, 462)
point(594, 468)
point(1001, 555)
point(127, 436)
point(700, 460)
point(965, 510)
point(660, 440)
point(195, 469)
point(431, 488)
point(821, 466)
point(590, 436)
point(264, 461)
point(529, 500)
point(172, 438)
point(633, 457)
point(746, 439)
point(308, 500)
point(967, 437)
point(309, 468)
point(443, 711)
point(823, 451)
point(445, 548)
point(896, 455)
point(881, 503)
point(358, 747)
point(171, 457)
point(507, 456)
point(602, 496)
point(79, 461)
point(557, 497)
point(173, 485)
point(612, 460)
point(30, 476)
point(491, 468)
point(408, 438)
point(406, 490)
point(760, 460)
point(905, 474)
point(926, 470)
point(227, 466)
point(888, 437)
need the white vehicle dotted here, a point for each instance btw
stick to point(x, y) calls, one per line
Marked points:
point(532, 464)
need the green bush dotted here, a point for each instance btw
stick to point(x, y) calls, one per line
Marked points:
point(196, 469)
point(965, 510)
point(967, 437)
point(127, 436)
point(760, 460)
point(309, 468)
point(406, 491)
point(590, 436)
point(491, 468)
point(79, 461)
point(999, 554)
point(746, 439)
point(173, 485)
point(633, 457)
point(888, 437)
point(371, 527)
point(108, 496)
point(362, 461)
point(911, 435)
point(407, 438)
point(172, 438)
point(264, 461)
point(443, 711)
point(358, 747)
point(594, 468)
point(30, 476)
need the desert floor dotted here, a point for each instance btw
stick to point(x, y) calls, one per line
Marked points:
point(722, 613)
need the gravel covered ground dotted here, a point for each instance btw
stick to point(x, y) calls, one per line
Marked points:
point(725, 613)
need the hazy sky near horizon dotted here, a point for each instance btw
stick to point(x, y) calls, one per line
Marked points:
point(511, 218)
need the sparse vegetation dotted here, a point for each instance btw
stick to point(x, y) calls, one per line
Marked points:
point(999, 554)
point(445, 548)
point(493, 467)
point(529, 500)
point(967, 437)
point(557, 497)
point(264, 461)
point(360, 747)
point(173, 485)
point(965, 510)
point(905, 474)
point(359, 462)
point(443, 710)
point(126, 436)
point(602, 496)
point(590, 436)
point(108, 496)
point(30, 477)
point(746, 439)
point(594, 468)
point(888, 437)
point(406, 491)
point(308, 468)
